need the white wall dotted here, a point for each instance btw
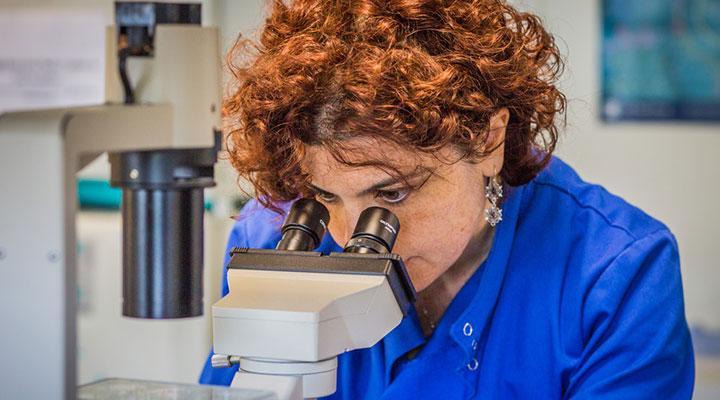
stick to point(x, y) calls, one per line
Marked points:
point(671, 170)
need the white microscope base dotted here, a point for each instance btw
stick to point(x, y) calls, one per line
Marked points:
point(285, 387)
point(289, 380)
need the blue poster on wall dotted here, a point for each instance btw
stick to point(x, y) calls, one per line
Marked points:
point(661, 60)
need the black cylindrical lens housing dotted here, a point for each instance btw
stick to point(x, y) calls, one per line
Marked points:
point(304, 226)
point(163, 210)
point(163, 253)
point(375, 232)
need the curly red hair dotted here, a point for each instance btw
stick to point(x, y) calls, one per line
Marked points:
point(423, 74)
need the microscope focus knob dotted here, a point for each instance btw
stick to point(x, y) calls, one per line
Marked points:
point(223, 361)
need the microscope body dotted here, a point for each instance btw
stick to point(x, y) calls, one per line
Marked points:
point(291, 313)
point(310, 306)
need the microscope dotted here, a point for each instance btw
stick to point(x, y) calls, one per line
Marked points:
point(160, 127)
point(291, 311)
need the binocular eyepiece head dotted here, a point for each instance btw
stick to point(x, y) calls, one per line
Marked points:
point(306, 223)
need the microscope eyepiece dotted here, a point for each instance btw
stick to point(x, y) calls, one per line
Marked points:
point(375, 232)
point(304, 226)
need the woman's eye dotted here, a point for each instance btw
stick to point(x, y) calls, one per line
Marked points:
point(326, 197)
point(393, 196)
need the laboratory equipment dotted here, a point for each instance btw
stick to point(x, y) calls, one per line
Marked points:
point(160, 126)
point(290, 311)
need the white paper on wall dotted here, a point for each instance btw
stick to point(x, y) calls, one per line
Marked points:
point(51, 57)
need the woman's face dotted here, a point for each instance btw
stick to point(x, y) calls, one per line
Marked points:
point(440, 214)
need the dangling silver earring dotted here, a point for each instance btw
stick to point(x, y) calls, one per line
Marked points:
point(493, 192)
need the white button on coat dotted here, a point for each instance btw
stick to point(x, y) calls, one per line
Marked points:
point(467, 329)
point(473, 365)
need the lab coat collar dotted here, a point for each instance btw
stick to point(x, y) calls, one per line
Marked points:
point(467, 331)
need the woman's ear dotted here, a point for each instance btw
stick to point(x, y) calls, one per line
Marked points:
point(492, 164)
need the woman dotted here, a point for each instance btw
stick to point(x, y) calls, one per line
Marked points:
point(531, 283)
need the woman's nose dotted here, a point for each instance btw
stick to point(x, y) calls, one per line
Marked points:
point(344, 225)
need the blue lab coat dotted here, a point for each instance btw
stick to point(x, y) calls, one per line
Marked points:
point(580, 297)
